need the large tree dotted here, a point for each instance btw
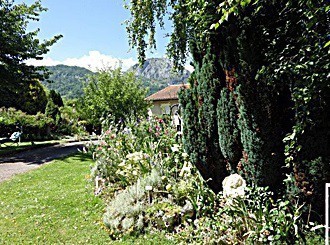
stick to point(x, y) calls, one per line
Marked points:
point(261, 74)
point(17, 45)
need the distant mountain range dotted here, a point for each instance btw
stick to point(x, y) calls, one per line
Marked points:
point(156, 74)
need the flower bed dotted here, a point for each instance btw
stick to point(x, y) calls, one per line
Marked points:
point(149, 184)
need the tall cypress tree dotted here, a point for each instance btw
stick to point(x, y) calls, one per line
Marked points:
point(229, 133)
point(199, 105)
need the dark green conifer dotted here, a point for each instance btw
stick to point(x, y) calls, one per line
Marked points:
point(200, 123)
point(229, 134)
point(261, 136)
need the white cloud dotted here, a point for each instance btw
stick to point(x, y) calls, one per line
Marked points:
point(93, 61)
point(44, 62)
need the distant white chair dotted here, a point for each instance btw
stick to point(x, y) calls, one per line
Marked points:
point(14, 137)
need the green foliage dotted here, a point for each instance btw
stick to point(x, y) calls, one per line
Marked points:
point(280, 81)
point(255, 218)
point(307, 144)
point(70, 120)
point(141, 24)
point(53, 106)
point(52, 110)
point(261, 136)
point(28, 96)
point(229, 134)
point(33, 98)
point(191, 21)
point(34, 126)
point(56, 98)
point(112, 93)
point(200, 130)
point(19, 82)
point(67, 80)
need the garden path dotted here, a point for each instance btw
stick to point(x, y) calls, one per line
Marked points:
point(25, 161)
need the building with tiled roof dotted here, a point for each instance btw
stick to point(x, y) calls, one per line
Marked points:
point(166, 99)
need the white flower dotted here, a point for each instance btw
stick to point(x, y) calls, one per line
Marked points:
point(233, 186)
point(135, 156)
point(168, 187)
point(122, 164)
point(127, 130)
point(186, 168)
point(185, 155)
point(127, 223)
point(175, 148)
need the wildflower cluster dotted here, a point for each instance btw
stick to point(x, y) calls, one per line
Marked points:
point(126, 152)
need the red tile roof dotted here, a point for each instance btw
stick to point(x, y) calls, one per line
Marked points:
point(168, 93)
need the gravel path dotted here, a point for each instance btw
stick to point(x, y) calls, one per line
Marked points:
point(25, 161)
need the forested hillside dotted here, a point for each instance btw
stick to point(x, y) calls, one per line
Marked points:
point(67, 80)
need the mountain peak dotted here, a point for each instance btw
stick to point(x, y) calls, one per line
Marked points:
point(160, 69)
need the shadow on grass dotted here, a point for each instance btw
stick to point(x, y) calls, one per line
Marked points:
point(78, 156)
point(43, 155)
point(9, 150)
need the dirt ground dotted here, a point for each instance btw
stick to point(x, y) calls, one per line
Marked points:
point(25, 161)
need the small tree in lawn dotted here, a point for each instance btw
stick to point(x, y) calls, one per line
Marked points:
point(112, 93)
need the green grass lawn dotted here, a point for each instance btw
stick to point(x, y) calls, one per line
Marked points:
point(10, 148)
point(54, 204)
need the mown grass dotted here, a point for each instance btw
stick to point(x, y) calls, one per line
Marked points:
point(54, 204)
point(11, 147)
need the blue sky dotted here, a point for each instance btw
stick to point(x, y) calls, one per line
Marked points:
point(93, 30)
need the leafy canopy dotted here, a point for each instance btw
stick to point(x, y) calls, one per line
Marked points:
point(21, 45)
point(19, 82)
point(112, 93)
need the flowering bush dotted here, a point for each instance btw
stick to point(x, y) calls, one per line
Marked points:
point(127, 152)
point(152, 183)
point(153, 202)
